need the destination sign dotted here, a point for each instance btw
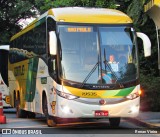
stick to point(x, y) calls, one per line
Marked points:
point(79, 29)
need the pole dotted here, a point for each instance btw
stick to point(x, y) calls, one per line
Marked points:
point(2, 117)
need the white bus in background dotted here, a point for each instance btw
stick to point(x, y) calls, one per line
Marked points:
point(4, 74)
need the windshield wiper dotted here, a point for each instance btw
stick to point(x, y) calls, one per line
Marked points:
point(111, 70)
point(90, 73)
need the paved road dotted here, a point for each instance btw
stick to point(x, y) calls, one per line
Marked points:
point(88, 129)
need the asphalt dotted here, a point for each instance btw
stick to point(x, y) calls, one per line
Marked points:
point(148, 119)
point(145, 118)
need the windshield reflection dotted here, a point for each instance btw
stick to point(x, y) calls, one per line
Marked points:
point(93, 55)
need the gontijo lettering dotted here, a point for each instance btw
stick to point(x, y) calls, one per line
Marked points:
point(19, 70)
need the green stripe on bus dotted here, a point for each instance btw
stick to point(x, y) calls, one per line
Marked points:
point(31, 79)
point(116, 93)
point(125, 92)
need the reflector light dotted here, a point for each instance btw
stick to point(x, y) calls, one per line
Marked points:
point(140, 92)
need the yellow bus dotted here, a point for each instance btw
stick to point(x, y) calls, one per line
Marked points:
point(76, 62)
point(4, 75)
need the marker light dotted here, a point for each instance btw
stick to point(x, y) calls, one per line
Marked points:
point(140, 92)
point(133, 96)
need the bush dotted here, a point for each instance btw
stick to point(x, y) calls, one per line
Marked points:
point(150, 100)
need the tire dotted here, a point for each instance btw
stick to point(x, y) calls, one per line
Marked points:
point(14, 103)
point(49, 120)
point(114, 122)
point(19, 112)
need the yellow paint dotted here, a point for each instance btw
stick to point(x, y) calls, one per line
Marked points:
point(91, 15)
point(19, 80)
point(24, 30)
point(50, 12)
point(157, 2)
point(90, 93)
point(150, 4)
point(20, 64)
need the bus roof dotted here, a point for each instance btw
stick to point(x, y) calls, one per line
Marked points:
point(81, 15)
point(89, 15)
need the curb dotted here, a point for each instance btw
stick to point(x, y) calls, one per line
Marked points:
point(141, 123)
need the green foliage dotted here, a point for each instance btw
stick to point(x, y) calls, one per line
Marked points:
point(151, 92)
point(47, 4)
point(150, 64)
point(104, 4)
point(11, 11)
point(136, 11)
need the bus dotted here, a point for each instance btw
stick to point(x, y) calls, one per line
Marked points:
point(76, 63)
point(4, 75)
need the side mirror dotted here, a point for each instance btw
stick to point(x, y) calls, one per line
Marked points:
point(146, 43)
point(4, 47)
point(52, 43)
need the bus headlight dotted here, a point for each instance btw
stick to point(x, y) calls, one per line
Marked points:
point(134, 109)
point(133, 96)
point(66, 109)
point(66, 95)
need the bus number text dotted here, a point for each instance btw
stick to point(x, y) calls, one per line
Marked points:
point(89, 94)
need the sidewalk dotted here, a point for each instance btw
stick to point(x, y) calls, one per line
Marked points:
point(148, 119)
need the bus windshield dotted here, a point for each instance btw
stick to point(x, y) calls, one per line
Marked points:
point(98, 54)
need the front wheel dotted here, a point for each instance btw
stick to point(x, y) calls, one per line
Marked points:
point(50, 121)
point(114, 122)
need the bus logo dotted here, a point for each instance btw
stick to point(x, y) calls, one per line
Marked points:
point(102, 102)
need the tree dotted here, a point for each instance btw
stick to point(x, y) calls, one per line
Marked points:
point(11, 11)
point(47, 4)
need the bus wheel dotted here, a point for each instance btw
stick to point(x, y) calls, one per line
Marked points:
point(50, 121)
point(114, 122)
point(19, 112)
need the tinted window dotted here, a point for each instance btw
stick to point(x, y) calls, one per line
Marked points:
point(30, 44)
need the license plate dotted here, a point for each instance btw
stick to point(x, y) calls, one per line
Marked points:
point(101, 113)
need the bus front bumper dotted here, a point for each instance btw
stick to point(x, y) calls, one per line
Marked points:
point(73, 109)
